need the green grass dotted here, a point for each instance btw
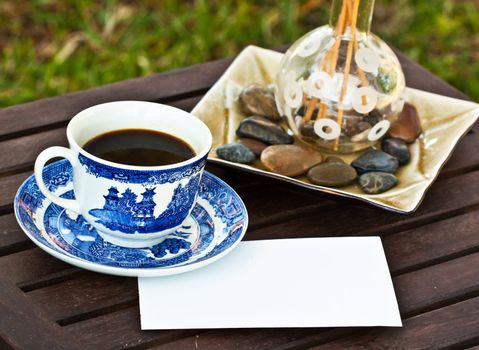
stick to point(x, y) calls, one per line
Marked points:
point(53, 47)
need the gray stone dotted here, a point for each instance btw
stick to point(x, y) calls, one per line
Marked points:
point(377, 182)
point(332, 174)
point(235, 152)
point(397, 148)
point(261, 129)
point(290, 160)
point(259, 100)
point(375, 161)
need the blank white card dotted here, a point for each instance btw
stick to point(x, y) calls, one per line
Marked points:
point(309, 282)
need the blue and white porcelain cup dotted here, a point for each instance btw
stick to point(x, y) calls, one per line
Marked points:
point(130, 206)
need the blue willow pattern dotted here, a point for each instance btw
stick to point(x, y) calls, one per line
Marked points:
point(145, 177)
point(72, 236)
point(123, 212)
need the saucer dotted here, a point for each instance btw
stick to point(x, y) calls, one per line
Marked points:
point(216, 225)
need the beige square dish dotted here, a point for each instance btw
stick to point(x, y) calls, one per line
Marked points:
point(444, 120)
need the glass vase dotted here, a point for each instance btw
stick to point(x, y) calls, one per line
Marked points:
point(340, 86)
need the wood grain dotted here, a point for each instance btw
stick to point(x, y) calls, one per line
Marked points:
point(24, 326)
point(452, 326)
point(32, 266)
point(166, 87)
point(432, 243)
point(120, 330)
point(11, 235)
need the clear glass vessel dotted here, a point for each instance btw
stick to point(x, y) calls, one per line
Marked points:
point(340, 86)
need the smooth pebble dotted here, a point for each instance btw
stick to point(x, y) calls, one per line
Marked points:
point(290, 160)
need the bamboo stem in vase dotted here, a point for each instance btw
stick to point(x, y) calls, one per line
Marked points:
point(362, 75)
point(347, 67)
point(329, 65)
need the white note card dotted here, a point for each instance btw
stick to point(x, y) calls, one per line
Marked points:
point(307, 282)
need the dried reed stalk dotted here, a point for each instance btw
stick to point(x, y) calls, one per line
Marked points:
point(347, 68)
point(329, 64)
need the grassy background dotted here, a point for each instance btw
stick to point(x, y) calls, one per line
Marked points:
point(52, 47)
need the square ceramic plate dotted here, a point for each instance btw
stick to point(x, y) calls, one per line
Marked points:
point(444, 120)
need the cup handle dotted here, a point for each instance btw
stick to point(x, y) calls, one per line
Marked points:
point(44, 157)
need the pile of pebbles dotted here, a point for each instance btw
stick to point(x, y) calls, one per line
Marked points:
point(261, 136)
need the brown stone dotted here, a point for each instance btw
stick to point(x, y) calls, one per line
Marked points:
point(334, 159)
point(332, 174)
point(308, 130)
point(259, 100)
point(408, 126)
point(254, 145)
point(290, 160)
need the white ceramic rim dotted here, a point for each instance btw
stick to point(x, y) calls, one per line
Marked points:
point(201, 127)
point(135, 272)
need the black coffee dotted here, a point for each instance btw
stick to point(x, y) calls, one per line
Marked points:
point(139, 147)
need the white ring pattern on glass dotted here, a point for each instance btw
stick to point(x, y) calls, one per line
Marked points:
point(364, 99)
point(379, 130)
point(333, 129)
point(293, 94)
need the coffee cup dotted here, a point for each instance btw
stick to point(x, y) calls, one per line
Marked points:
point(130, 205)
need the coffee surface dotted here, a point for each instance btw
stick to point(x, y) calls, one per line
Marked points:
point(139, 147)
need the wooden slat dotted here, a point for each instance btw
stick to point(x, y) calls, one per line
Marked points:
point(8, 188)
point(159, 87)
point(24, 326)
point(32, 264)
point(452, 326)
point(427, 288)
point(434, 242)
point(463, 157)
point(83, 295)
point(119, 330)
point(11, 236)
point(21, 152)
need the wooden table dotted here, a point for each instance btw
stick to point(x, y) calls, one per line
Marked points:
point(433, 254)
